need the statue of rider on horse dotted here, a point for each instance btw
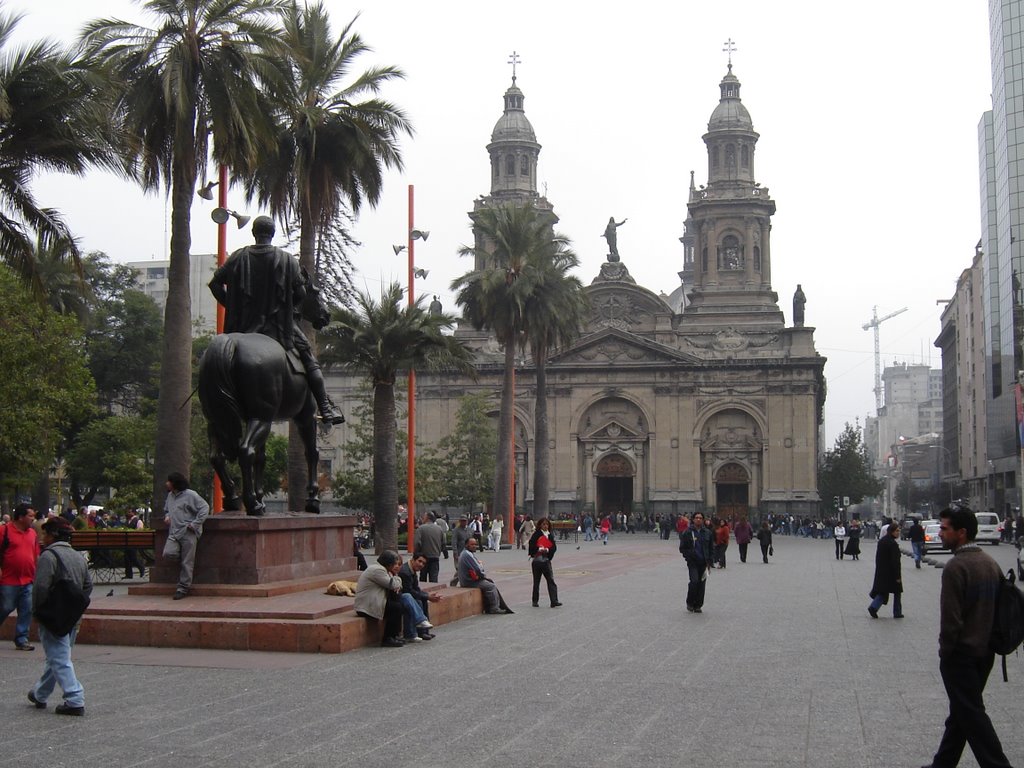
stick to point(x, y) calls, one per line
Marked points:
point(262, 368)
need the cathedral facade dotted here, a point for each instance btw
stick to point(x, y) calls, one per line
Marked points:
point(702, 400)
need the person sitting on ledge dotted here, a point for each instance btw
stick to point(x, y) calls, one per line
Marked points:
point(377, 596)
point(471, 574)
point(415, 601)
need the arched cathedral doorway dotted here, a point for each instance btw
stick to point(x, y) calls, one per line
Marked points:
point(614, 474)
point(732, 490)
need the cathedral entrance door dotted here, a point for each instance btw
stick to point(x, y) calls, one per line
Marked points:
point(732, 485)
point(614, 495)
point(614, 485)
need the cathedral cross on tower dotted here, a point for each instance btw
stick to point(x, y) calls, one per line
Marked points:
point(730, 48)
point(514, 59)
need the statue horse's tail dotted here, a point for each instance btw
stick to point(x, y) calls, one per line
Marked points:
point(219, 395)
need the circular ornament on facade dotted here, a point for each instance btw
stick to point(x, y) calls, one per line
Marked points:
point(788, 442)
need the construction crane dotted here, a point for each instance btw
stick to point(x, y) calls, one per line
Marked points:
point(874, 323)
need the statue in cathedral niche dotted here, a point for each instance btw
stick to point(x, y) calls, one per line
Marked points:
point(612, 237)
point(799, 300)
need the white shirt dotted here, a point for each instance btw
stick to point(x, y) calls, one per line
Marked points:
point(839, 532)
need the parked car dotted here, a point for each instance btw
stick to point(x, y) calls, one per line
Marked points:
point(988, 527)
point(908, 521)
point(932, 542)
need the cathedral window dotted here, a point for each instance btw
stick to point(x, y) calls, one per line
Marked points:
point(745, 156)
point(495, 167)
point(510, 165)
point(524, 166)
point(730, 157)
point(704, 260)
point(714, 157)
point(757, 258)
point(730, 255)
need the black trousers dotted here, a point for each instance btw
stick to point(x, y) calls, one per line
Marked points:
point(695, 590)
point(764, 551)
point(839, 549)
point(743, 551)
point(431, 570)
point(543, 568)
point(964, 678)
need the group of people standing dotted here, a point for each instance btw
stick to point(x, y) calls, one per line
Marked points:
point(847, 539)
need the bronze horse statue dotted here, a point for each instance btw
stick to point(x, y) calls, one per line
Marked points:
point(247, 381)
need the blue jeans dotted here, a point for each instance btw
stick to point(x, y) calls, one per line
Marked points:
point(413, 613)
point(918, 547)
point(588, 534)
point(58, 669)
point(897, 606)
point(20, 599)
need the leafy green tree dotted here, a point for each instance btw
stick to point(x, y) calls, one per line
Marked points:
point(114, 452)
point(523, 261)
point(380, 339)
point(333, 141)
point(463, 463)
point(846, 469)
point(187, 88)
point(53, 117)
point(45, 384)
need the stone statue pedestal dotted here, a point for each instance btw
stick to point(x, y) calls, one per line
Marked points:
point(238, 549)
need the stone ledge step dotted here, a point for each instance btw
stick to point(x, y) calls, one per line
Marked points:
point(335, 633)
point(268, 589)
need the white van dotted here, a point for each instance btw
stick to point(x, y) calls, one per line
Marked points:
point(988, 527)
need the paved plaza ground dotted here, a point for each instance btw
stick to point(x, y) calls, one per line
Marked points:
point(784, 668)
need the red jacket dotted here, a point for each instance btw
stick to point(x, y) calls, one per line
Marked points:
point(722, 534)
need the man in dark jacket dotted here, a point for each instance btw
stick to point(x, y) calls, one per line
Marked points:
point(460, 535)
point(970, 582)
point(888, 578)
point(415, 601)
point(57, 559)
point(916, 535)
point(698, 549)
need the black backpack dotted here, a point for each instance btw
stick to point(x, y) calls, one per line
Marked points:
point(64, 605)
point(1008, 619)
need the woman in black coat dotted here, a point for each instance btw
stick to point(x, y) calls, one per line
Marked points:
point(888, 578)
point(541, 551)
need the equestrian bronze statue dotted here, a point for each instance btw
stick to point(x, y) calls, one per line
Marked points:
point(262, 368)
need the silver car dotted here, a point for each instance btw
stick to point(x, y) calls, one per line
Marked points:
point(932, 542)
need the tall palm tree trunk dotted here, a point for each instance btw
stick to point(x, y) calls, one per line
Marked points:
point(503, 469)
point(296, 451)
point(385, 490)
point(173, 445)
point(541, 453)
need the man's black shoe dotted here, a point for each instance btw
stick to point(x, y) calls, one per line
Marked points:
point(697, 610)
point(38, 704)
point(392, 642)
point(556, 604)
point(24, 647)
point(873, 612)
point(689, 608)
point(180, 594)
point(898, 616)
point(64, 709)
point(535, 604)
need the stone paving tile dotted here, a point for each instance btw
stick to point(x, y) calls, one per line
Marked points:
point(785, 668)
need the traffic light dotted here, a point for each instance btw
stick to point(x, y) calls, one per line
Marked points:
point(835, 502)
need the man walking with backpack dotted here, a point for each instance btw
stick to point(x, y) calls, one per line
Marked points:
point(970, 582)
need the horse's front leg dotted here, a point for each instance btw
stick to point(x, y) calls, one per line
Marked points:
point(251, 456)
point(305, 422)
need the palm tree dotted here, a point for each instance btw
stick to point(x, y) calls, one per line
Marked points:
point(333, 140)
point(381, 339)
point(519, 252)
point(185, 88)
point(555, 313)
point(52, 118)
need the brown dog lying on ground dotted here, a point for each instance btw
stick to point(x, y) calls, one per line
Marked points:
point(342, 588)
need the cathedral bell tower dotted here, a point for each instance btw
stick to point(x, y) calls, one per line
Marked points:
point(514, 151)
point(731, 225)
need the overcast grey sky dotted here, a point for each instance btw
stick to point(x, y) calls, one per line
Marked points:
point(867, 112)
